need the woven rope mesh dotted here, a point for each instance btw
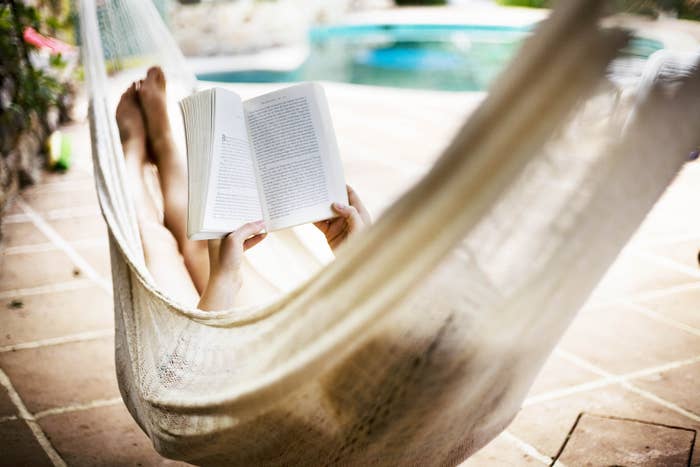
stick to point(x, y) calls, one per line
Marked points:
point(419, 342)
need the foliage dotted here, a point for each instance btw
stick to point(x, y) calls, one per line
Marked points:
point(26, 92)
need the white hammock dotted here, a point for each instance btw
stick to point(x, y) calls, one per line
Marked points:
point(418, 343)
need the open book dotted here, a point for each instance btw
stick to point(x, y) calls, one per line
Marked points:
point(271, 158)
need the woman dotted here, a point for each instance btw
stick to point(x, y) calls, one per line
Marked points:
point(192, 270)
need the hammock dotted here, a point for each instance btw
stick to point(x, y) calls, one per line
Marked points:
point(416, 345)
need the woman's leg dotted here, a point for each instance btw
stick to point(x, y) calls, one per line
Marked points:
point(172, 173)
point(160, 247)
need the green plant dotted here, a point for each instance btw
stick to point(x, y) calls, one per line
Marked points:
point(26, 92)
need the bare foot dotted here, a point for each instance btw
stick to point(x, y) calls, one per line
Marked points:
point(154, 107)
point(132, 128)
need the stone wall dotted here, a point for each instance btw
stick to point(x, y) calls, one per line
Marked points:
point(212, 28)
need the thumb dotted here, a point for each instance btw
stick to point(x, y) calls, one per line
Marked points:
point(232, 246)
point(350, 214)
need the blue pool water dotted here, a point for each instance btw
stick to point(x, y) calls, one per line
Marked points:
point(443, 57)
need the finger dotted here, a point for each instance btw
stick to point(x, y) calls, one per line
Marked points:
point(341, 209)
point(337, 241)
point(350, 214)
point(248, 230)
point(357, 203)
point(335, 227)
point(254, 240)
point(340, 233)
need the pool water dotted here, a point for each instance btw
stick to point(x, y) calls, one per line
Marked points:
point(442, 57)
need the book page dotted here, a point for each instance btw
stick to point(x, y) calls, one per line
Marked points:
point(232, 196)
point(295, 156)
point(196, 112)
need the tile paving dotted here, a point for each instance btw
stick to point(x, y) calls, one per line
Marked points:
point(8, 410)
point(54, 376)
point(633, 352)
point(20, 446)
point(84, 438)
point(675, 304)
point(52, 314)
point(627, 442)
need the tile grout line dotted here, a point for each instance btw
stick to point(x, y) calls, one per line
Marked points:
point(51, 288)
point(63, 186)
point(630, 387)
point(660, 368)
point(663, 319)
point(559, 393)
point(638, 297)
point(660, 293)
point(661, 401)
point(52, 235)
point(528, 449)
point(54, 214)
point(586, 365)
point(664, 241)
point(15, 219)
point(95, 404)
point(669, 263)
point(72, 213)
point(48, 246)
point(69, 339)
point(31, 421)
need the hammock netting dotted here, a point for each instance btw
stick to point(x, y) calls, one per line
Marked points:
point(418, 343)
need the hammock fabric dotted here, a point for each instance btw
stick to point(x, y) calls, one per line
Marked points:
point(417, 345)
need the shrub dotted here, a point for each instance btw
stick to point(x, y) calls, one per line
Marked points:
point(26, 90)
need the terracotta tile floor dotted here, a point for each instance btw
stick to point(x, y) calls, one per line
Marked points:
point(623, 386)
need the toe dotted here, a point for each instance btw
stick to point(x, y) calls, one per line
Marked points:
point(127, 96)
point(128, 91)
point(155, 74)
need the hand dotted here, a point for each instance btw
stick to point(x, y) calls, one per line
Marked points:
point(352, 219)
point(225, 261)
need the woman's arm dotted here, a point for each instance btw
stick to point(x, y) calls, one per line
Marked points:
point(226, 254)
point(225, 261)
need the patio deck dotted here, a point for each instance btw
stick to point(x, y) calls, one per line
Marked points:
point(622, 382)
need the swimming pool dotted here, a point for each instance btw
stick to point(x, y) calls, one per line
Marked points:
point(442, 57)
